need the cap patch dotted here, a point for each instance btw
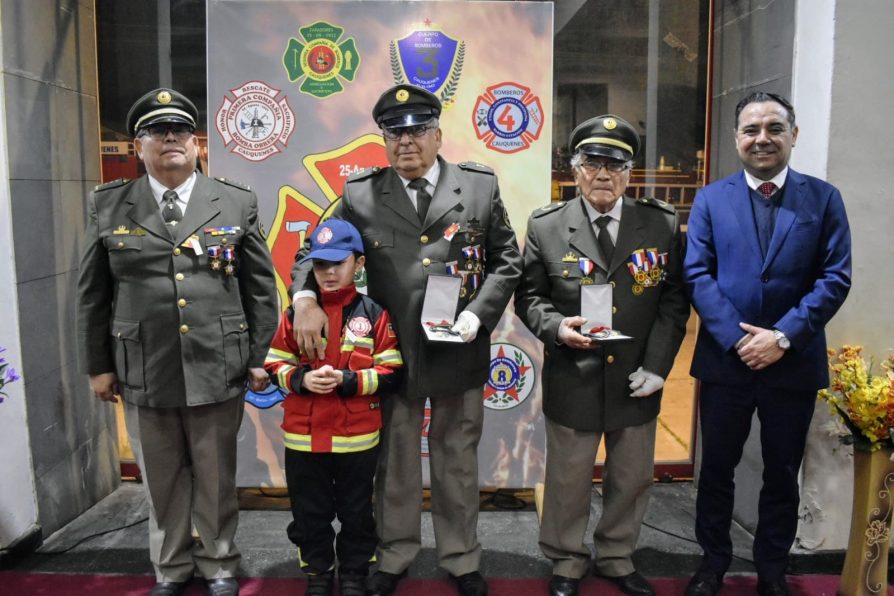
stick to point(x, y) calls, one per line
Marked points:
point(324, 235)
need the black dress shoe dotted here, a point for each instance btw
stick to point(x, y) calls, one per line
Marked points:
point(559, 585)
point(704, 583)
point(776, 587)
point(633, 584)
point(223, 586)
point(351, 584)
point(383, 583)
point(169, 588)
point(470, 584)
point(319, 584)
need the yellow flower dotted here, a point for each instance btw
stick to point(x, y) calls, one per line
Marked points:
point(864, 402)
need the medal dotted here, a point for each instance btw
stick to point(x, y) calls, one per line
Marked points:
point(586, 267)
point(452, 268)
point(637, 289)
point(214, 257)
point(229, 255)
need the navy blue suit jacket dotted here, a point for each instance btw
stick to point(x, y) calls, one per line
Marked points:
point(797, 288)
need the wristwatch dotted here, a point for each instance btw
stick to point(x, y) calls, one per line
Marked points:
point(781, 340)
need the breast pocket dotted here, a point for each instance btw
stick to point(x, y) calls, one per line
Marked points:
point(378, 240)
point(129, 354)
point(235, 347)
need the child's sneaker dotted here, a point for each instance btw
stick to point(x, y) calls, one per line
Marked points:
point(351, 584)
point(319, 584)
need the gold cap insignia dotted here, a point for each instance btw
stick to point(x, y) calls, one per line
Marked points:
point(610, 124)
point(402, 95)
point(164, 97)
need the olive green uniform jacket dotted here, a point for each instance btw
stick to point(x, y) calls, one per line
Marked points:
point(175, 331)
point(588, 390)
point(401, 253)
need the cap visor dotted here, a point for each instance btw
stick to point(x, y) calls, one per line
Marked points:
point(605, 151)
point(168, 118)
point(336, 255)
point(405, 120)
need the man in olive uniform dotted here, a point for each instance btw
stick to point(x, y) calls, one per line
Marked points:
point(424, 216)
point(176, 309)
point(593, 389)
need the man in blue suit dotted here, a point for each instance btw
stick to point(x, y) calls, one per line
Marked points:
point(767, 266)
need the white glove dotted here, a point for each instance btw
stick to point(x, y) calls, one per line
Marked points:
point(467, 324)
point(644, 383)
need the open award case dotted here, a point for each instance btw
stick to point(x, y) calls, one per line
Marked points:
point(439, 308)
point(596, 308)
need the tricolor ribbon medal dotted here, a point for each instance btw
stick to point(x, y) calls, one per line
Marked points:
point(586, 267)
point(656, 273)
point(452, 267)
point(214, 257)
point(229, 255)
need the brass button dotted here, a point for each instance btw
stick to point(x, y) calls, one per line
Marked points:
point(179, 277)
point(185, 329)
point(610, 359)
point(614, 309)
point(423, 239)
point(181, 303)
point(120, 244)
point(223, 240)
point(242, 325)
point(565, 273)
point(376, 244)
point(426, 262)
point(612, 283)
point(177, 252)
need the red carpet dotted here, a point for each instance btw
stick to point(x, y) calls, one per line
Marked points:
point(31, 584)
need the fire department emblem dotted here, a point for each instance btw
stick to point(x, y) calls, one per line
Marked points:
point(511, 377)
point(508, 117)
point(321, 60)
point(253, 123)
point(431, 59)
point(360, 326)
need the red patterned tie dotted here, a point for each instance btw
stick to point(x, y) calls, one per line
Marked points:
point(767, 189)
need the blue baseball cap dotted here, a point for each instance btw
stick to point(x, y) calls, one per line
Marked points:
point(334, 240)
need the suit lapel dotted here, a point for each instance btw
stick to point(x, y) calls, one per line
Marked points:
point(741, 205)
point(583, 238)
point(631, 235)
point(144, 210)
point(793, 195)
point(394, 196)
point(447, 194)
point(201, 208)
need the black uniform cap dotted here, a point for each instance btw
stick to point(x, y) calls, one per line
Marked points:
point(608, 136)
point(161, 105)
point(406, 105)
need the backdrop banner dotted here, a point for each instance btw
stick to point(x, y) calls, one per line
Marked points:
point(291, 87)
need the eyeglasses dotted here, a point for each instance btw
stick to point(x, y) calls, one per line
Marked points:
point(160, 131)
point(593, 167)
point(394, 134)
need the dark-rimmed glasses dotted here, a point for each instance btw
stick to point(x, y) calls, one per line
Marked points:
point(593, 166)
point(394, 134)
point(160, 131)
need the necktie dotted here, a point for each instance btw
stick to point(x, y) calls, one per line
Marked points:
point(171, 212)
point(766, 189)
point(423, 199)
point(604, 239)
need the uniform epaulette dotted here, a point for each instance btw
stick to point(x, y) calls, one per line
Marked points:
point(476, 167)
point(233, 183)
point(112, 184)
point(364, 173)
point(551, 208)
point(653, 202)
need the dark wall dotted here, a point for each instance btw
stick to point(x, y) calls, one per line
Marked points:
point(753, 51)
